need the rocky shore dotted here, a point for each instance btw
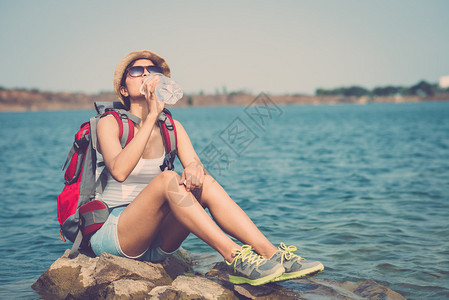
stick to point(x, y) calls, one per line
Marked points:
point(112, 277)
point(34, 100)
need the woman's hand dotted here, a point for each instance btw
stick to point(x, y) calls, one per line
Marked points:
point(155, 106)
point(193, 176)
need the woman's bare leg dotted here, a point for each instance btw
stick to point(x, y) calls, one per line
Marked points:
point(140, 221)
point(173, 233)
point(229, 216)
point(232, 219)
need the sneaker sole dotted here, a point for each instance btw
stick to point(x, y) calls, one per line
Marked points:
point(301, 274)
point(240, 280)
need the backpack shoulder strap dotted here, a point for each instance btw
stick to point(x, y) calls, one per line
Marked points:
point(103, 107)
point(168, 132)
point(124, 118)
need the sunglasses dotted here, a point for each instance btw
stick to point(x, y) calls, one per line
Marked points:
point(139, 70)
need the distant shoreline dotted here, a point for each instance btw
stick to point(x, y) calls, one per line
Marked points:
point(16, 100)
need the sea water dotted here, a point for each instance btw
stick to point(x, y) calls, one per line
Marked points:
point(362, 188)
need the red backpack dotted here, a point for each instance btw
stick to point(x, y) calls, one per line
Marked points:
point(79, 214)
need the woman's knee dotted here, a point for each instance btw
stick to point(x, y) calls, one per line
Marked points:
point(208, 179)
point(169, 178)
point(209, 190)
point(170, 183)
point(168, 174)
point(164, 182)
point(210, 184)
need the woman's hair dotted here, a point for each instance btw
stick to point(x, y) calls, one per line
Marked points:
point(126, 100)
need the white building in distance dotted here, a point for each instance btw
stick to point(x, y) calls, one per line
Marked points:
point(444, 82)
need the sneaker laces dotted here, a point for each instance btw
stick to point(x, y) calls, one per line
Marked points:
point(246, 254)
point(287, 252)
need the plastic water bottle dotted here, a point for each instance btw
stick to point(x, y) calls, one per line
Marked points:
point(167, 90)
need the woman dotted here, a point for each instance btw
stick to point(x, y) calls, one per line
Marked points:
point(155, 211)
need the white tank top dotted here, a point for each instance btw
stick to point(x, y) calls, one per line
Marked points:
point(121, 193)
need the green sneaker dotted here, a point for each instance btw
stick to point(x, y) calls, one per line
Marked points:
point(249, 267)
point(295, 266)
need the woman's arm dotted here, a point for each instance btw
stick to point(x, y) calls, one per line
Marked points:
point(194, 171)
point(120, 162)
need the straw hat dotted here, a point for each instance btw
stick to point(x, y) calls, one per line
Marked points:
point(124, 63)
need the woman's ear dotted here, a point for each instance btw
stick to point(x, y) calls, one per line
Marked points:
point(124, 91)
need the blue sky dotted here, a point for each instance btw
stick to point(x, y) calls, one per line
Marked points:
point(272, 46)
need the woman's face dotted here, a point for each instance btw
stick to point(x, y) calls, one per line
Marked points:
point(132, 84)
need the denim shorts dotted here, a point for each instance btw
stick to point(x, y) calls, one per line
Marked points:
point(106, 240)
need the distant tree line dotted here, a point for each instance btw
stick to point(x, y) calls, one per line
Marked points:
point(422, 88)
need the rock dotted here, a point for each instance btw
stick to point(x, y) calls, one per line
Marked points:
point(67, 276)
point(328, 289)
point(193, 287)
point(107, 276)
point(126, 289)
point(112, 277)
point(365, 288)
point(177, 264)
point(110, 268)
